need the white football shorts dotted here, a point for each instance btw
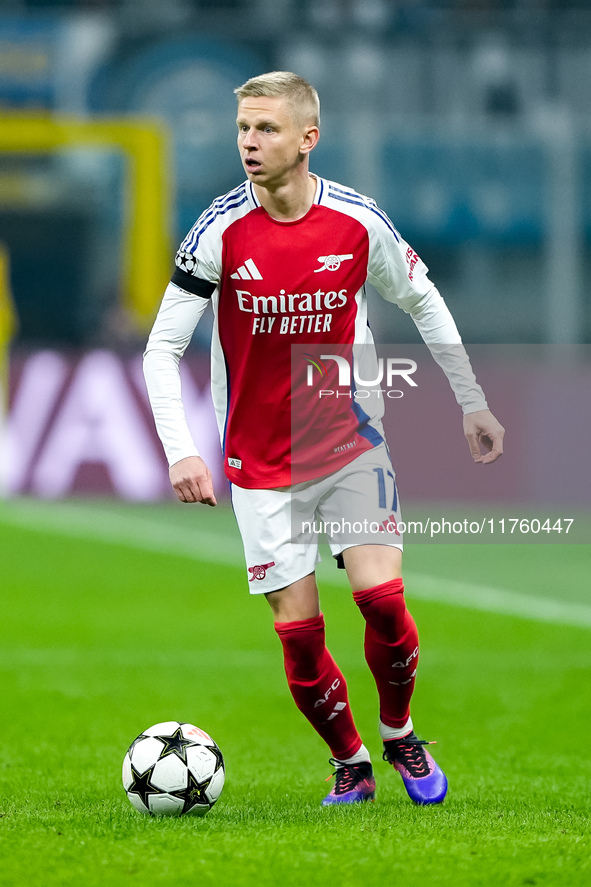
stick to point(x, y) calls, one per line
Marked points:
point(280, 528)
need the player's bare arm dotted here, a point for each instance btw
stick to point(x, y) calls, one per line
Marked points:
point(483, 431)
point(192, 481)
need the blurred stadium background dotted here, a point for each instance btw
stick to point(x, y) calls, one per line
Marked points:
point(468, 121)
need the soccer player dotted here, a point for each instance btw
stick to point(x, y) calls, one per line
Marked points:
point(284, 259)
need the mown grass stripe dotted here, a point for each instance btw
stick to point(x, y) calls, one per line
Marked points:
point(83, 521)
point(118, 528)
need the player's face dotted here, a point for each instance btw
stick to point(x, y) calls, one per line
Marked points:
point(271, 143)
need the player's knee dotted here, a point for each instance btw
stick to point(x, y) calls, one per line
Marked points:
point(304, 647)
point(384, 608)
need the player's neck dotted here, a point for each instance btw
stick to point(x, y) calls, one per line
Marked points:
point(289, 201)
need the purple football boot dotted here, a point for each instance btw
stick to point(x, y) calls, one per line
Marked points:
point(423, 779)
point(353, 783)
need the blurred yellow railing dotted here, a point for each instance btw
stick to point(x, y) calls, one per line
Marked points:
point(8, 322)
point(146, 249)
point(8, 325)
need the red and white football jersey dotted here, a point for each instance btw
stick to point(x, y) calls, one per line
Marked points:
point(274, 285)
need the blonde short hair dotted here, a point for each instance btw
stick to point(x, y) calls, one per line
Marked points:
point(302, 97)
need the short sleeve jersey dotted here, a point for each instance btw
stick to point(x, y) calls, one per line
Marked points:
point(302, 283)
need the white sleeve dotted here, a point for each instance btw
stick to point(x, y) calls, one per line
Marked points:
point(177, 318)
point(400, 276)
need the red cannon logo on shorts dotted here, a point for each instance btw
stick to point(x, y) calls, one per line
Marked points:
point(260, 571)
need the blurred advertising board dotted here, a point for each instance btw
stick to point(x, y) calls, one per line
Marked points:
point(80, 424)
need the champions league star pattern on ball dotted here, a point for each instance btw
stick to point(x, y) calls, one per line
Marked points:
point(274, 284)
point(172, 769)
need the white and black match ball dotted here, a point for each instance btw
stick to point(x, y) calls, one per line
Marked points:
point(173, 768)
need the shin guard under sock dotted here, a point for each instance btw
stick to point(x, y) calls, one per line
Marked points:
point(391, 648)
point(317, 684)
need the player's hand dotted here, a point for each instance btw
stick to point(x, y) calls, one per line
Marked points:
point(482, 429)
point(192, 481)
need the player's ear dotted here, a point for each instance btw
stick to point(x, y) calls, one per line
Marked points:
point(309, 139)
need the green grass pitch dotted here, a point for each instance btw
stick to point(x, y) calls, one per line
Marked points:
point(102, 638)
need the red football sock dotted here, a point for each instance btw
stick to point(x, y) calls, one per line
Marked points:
point(391, 648)
point(317, 684)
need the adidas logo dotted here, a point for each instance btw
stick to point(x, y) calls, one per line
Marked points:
point(338, 707)
point(248, 271)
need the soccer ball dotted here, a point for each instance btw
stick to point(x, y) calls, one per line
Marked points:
point(173, 768)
